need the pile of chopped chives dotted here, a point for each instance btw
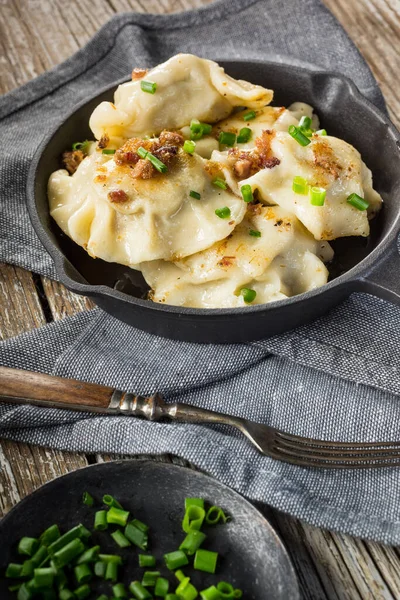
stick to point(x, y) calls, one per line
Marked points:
point(66, 566)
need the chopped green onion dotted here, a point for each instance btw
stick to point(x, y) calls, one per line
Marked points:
point(13, 571)
point(174, 560)
point(66, 594)
point(305, 122)
point(223, 213)
point(321, 132)
point(157, 164)
point(119, 591)
point(140, 525)
point(27, 568)
point(120, 539)
point(180, 575)
point(225, 589)
point(317, 196)
point(82, 146)
point(107, 558)
point(63, 556)
point(100, 569)
point(100, 520)
point(39, 556)
point(111, 572)
point(215, 513)
point(148, 86)
point(238, 593)
point(107, 151)
point(244, 135)
point(249, 115)
point(194, 502)
point(189, 146)
point(43, 577)
point(161, 588)
point(219, 182)
point(90, 555)
point(197, 129)
point(117, 516)
point(83, 573)
point(14, 588)
point(248, 296)
point(227, 138)
point(50, 535)
point(298, 135)
point(78, 532)
point(82, 592)
point(254, 233)
point(140, 592)
point(210, 593)
point(171, 597)
point(247, 193)
point(102, 597)
point(147, 560)
point(194, 194)
point(28, 546)
point(357, 201)
point(149, 578)
point(194, 515)
point(300, 185)
point(107, 499)
point(192, 542)
point(136, 536)
point(205, 560)
point(24, 593)
point(186, 591)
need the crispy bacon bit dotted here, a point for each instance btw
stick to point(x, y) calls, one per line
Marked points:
point(242, 168)
point(103, 141)
point(143, 169)
point(270, 163)
point(138, 73)
point(72, 160)
point(325, 159)
point(171, 138)
point(226, 261)
point(118, 196)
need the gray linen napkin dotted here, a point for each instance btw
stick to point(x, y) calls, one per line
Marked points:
point(336, 378)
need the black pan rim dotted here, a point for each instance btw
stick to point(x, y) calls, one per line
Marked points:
point(351, 279)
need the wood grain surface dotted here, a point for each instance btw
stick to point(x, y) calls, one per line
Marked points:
point(35, 35)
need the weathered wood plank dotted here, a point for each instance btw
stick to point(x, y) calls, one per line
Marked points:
point(62, 302)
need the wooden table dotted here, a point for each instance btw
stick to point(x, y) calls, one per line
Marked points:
point(35, 36)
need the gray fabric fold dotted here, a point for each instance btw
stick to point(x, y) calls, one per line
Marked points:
point(338, 378)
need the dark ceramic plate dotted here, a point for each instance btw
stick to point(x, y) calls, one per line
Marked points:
point(361, 264)
point(253, 557)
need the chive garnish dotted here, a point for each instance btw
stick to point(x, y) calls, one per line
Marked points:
point(300, 185)
point(254, 233)
point(321, 132)
point(227, 138)
point(162, 586)
point(83, 574)
point(13, 571)
point(111, 572)
point(108, 151)
point(194, 502)
point(197, 129)
point(219, 182)
point(205, 560)
point(100, 520)
point(298, 135)
point(357, 201)
point(139, 592)
point(248, 295)
point(247, 193)
point(223, 213)
point(244, 135)
point(249, 115)
point(194, 194)
point(305, 123)
point(317, 196)
point(189, 146)
point(174, 560)
point(149, 578)
point(157, 164)
point(83, 146)
point(119, 591)
point(120, 539)
point(148, 86)
point(192, 542)
point(28, 546)
point(147, 560)
point(82, 592)
point(117, 516)
point(87, 499)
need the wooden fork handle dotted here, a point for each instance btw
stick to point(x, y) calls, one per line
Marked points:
point(46, 390)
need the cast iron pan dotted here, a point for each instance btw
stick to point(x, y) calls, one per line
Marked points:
point(252, 556)
point(370, 265)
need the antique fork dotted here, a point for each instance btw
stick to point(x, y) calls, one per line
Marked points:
point(25, 387)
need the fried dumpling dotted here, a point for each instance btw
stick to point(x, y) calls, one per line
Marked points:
point(270, 252)
point(128, 220)
point(188, 87)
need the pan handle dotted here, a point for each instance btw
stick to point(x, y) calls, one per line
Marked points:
point(383, 280)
